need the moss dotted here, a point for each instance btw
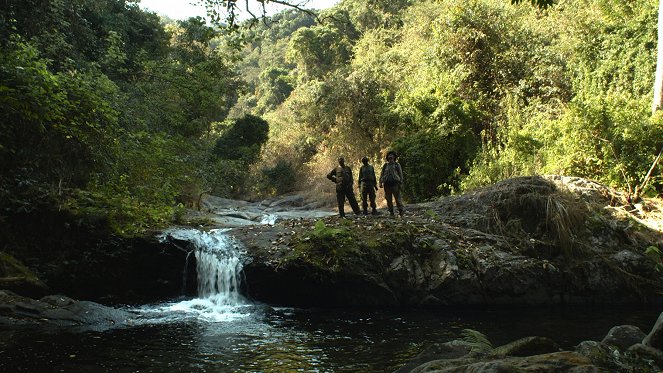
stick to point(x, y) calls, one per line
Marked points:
point(326, 246)
point(14, 275)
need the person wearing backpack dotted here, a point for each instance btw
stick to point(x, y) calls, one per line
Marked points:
point(367, 184)
point(342, 176)
point(391, 178)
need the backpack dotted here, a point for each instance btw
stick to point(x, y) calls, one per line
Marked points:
point(390, 174)
point(367, 174)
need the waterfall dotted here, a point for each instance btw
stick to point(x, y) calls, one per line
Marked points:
point(219, 265)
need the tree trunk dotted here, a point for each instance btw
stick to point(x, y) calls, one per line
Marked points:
point(658, 83)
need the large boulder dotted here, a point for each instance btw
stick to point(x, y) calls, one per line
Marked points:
point(624, 336)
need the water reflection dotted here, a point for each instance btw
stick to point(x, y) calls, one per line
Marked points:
point(268, 339)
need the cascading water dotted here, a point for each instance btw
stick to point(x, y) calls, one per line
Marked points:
point(218, 265)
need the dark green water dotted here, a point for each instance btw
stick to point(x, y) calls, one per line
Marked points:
point(265, 339)
point(221, 331)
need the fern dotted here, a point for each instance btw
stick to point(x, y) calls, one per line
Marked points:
point(476, 341)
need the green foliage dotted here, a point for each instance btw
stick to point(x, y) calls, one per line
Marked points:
point(321, 232)
point(279, 179)
point(103, 115)
point(59, 128)
point(320, 49)
point(476, 341)
point(327, 246)
point(242, 139)
point(655, 254)
point(100, 98)
point(274, 87)
point(432, 163)
point(228, 177)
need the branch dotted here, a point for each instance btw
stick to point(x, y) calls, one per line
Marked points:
point(231, 10)
point(614, 153)
point(641, 187)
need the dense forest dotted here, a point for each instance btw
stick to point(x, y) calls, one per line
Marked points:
point(113, 112)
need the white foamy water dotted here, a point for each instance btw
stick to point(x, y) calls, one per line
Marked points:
point(269, 219)
point(219, 266)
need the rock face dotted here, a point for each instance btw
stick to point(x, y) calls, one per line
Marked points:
point(110, 270)
point(527, 240)
point(537, 354)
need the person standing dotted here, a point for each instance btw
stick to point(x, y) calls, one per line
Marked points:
point(391, 178)
point(367, 184)
point(342, 176)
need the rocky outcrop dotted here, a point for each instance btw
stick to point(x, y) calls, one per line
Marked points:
point(530, 240)
point(59, 311)
point(620, 351)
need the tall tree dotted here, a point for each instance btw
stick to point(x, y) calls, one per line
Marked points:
point(658, 82)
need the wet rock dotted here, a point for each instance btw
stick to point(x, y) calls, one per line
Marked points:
point(648, 354)
point(450, 350)
point(527, 346)
point(600, 354)
point(564, 361)
point(655, 336)
point(539, 354)
point(59, 311)
point(288, 201)
point(624, 336)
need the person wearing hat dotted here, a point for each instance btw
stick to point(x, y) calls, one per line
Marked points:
point(367, 184)
point(391, 178)
point(342, 176)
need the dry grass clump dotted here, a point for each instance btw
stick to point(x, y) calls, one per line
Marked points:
point(565, 215)
point(537, 208)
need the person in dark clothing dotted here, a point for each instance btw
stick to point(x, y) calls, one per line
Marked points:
point(367, 184)
point(392, 178)
point(342, 176)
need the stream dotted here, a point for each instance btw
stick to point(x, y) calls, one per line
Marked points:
point(222, 331)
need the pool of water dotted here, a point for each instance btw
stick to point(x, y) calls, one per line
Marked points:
point(189, 336)
point(221, 331)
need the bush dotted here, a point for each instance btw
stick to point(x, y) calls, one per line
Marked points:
point(432, 163)
point(242, 139)
point(279, 179)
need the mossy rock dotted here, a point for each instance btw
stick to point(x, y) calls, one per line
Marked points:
point(16, 277)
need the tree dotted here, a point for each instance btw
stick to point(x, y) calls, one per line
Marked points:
point(243, 139)
point(658, 82)
point(226, 12)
